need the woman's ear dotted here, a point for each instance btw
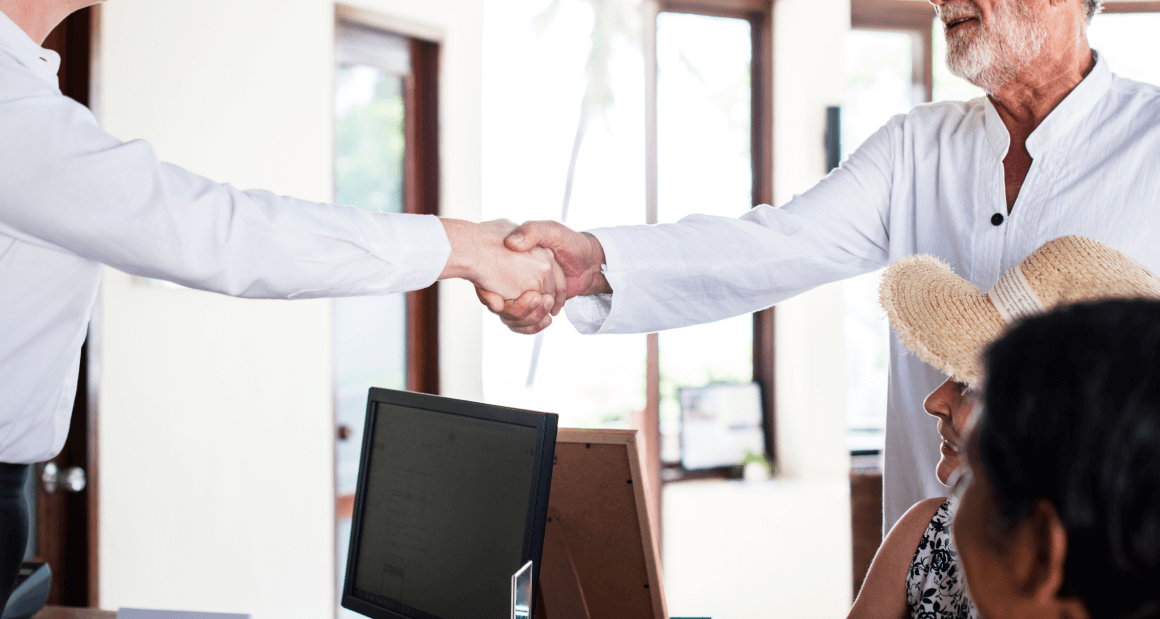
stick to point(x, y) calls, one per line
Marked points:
point(1047, 555)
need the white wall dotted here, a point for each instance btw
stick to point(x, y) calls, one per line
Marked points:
point(216, 414)
point(810, 360)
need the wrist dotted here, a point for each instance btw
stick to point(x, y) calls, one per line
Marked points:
point(597, 282)
point(463, 239)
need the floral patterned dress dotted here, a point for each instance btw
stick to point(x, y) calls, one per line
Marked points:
point(934, 586)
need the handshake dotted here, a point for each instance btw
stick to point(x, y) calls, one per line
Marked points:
point(525, 273)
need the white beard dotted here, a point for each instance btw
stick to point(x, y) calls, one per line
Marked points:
point(990, 55)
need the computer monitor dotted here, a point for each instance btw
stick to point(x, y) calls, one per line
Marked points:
point(451, 501)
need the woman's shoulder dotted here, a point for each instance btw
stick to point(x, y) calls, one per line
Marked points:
point(884, 591)
point(917, 519)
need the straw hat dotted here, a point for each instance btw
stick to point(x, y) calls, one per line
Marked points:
point(946, 320)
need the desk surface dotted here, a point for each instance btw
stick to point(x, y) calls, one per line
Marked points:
point(61, 612)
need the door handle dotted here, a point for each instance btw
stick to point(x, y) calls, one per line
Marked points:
point(53, 478)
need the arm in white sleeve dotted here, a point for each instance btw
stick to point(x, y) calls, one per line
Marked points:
point(706, 268)
point(69, 185)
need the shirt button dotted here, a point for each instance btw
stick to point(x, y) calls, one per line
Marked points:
point(996, 219)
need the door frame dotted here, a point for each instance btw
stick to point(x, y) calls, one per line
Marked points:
point(67, 531)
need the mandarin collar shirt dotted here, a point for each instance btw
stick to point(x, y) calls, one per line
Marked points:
point(73, 197)
point(928, 182)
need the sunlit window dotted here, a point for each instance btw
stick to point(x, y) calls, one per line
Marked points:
point(704, 166)
point(543, 60)
point(1129, 43)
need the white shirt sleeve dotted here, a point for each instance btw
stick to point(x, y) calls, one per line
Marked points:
point(68, 184)
point(706, 268)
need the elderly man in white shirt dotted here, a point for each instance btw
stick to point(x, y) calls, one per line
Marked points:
point(73, 197)
point(1059, 146)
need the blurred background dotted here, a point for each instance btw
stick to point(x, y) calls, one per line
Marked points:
point(220, 437)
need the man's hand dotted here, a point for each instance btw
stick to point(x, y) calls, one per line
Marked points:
point(479, 255)
point(579, 255)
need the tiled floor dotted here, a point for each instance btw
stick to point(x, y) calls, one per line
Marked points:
point(748, 550)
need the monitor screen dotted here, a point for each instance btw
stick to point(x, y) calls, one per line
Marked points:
point(451, 502)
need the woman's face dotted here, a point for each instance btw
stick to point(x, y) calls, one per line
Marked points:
point(951, 404)
point(1013, 572)
point(984, 569)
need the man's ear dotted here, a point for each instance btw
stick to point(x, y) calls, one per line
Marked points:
point(1043, 580)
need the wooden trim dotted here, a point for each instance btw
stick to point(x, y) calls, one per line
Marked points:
point(343, 507)
point(718, 8)
point(650, 426)
point(67, 531)
point(388, 23)
point(761, 26)
point(764, 373)
point(762, 154)
point(421, 182)
point(923, 55)
point(1131, 7)
point(891, 14)
point(92, 383)
point(649, 421)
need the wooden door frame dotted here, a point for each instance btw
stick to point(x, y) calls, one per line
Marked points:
point(67, 528)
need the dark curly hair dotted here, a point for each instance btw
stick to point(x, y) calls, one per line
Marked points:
point(1072, 414)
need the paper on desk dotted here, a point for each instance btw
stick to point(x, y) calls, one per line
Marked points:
point(143, 613)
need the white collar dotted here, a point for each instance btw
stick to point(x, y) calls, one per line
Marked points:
point(15, 42)
point(1074, 106)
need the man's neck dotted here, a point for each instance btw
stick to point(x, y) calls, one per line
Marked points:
point(37, 18)
point(1025, 101)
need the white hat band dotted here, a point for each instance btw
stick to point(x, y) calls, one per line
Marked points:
point(1014, 298)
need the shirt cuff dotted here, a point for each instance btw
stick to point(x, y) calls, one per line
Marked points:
point(598, 313)
point(418, 243)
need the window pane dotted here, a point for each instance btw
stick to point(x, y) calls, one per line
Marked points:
point(369, 333)
point(539, 60)
point(704, 166)
point(879, 83)
point(369, 139)
point(1129, 43)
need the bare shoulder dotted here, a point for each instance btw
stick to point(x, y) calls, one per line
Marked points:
point(883, 592)
point(913, 523)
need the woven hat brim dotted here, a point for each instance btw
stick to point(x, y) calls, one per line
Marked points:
point(942, 318)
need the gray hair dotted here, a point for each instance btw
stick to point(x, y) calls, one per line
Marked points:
point(1090, 8)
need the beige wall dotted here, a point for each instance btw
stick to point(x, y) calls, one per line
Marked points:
point(216, 414)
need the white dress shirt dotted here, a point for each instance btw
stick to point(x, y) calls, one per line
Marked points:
point(73, 197)
point(928, 182)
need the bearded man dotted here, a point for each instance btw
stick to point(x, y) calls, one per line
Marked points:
point(1059, 146)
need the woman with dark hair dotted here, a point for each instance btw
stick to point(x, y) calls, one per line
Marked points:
point(1059, 515)
point(947, 322)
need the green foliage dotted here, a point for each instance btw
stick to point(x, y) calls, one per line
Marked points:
point(369, 146)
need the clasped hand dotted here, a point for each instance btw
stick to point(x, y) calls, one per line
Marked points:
point(575, 269)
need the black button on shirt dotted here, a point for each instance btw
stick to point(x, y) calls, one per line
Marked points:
point(996, 219)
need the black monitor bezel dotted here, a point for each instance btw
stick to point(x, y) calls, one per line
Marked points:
point(545, 425)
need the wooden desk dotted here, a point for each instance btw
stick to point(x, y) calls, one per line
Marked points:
point(62, 612)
